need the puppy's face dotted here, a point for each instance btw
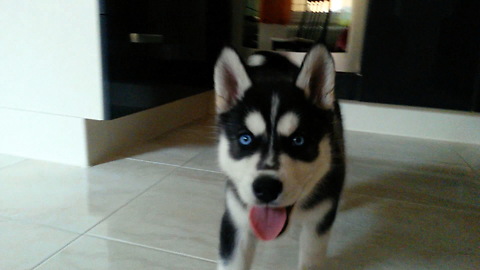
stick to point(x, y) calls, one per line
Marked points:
point(275, 121)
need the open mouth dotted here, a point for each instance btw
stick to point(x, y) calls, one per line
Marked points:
point(268, 223)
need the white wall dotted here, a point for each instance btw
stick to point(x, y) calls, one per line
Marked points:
point(50, 57)
point(82, 142)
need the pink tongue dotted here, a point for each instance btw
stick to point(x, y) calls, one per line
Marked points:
point(266, 222)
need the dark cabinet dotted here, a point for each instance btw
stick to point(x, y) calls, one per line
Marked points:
point(156, 52)
point(422, 53)
point(419, 53)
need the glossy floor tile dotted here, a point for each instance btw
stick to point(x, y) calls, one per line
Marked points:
point(23, 245)
point(182, 213)
point(403, 227)
point(69, 197)
point(412, 183)
point(206, 160)
point(377, 233)
point(401, 149)
point(99, 254)
point(176, 147)
point(408, 204)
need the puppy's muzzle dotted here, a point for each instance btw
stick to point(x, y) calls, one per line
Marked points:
point(267, 189)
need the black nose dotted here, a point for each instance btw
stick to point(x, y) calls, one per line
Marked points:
point(267, 188)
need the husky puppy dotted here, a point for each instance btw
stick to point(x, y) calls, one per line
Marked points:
point(281, 146)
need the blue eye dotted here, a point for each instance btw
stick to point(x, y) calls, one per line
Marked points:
point(298, 141)
point(245, 139)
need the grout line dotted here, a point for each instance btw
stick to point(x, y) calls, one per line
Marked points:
point(198, 169)
point(56, 252)
point(154, 162)
point(465, 161)
point(203, 170)
point(48, 257)
point(103, 219)
point(177, 166)
point(192, 158)
point(150, 247)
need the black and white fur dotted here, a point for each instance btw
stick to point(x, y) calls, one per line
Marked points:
point(276, 103)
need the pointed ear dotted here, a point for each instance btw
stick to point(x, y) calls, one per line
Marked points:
point(317, 77)
point(231, 80)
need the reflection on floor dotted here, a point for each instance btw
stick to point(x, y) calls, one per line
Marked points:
point(408, 204)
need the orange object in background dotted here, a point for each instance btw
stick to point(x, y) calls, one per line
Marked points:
point(275, 11)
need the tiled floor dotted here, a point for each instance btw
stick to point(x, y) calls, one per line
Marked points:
point(408, 204)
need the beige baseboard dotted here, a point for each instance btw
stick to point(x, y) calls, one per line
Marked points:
point(107, 138)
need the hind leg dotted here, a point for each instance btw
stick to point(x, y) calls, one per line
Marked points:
point(314, 238)
point(237, 243)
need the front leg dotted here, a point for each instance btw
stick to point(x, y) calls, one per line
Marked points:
point(313, 249)
point(314, 238)
point(237, 243)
